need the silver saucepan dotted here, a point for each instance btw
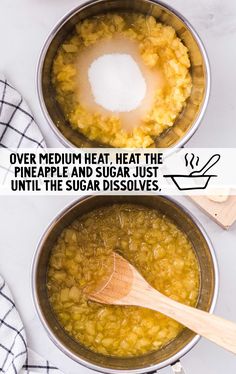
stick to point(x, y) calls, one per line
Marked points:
point(153, 361)
point(189, 119)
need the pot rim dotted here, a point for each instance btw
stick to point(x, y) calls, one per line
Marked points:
point(65, 350)
point(63, 140)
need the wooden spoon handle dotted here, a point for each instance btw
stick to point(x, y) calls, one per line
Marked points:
point(216, 329)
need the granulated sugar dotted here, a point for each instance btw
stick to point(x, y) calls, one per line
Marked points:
point(117, 82)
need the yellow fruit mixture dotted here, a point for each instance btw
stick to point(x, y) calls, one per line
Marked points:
point(159, 47)
point(82, 256)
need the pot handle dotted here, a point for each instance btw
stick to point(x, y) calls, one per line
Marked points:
point(177, 368)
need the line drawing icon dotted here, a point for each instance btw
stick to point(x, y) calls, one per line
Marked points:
point(197, 179)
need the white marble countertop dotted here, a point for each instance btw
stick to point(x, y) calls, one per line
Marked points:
point(24, 25)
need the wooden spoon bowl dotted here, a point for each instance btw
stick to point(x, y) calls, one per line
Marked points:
point(126, 286)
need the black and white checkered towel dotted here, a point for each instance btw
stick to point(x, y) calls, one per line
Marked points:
point(15, 356)
point(17, 129)
point(17, 125)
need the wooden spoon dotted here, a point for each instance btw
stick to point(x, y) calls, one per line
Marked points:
point(127, 287)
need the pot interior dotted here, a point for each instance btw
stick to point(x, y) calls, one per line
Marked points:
point(194, 105)
point(78, 351)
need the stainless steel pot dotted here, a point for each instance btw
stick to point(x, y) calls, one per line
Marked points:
point(149, 362)
point(190, 118)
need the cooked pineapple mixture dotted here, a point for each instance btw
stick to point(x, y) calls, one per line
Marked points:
point(81, 258)
point(159, 48)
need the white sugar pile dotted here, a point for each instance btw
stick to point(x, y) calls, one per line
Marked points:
point(117, 82)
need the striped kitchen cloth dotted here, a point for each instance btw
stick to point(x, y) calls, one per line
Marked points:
point(15, 356)
point(17, 130)
point(17, 125)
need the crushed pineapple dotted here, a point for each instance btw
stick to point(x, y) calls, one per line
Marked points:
point(159, 47)
point(81, 258)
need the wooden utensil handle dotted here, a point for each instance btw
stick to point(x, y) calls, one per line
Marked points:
point(216, 329)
